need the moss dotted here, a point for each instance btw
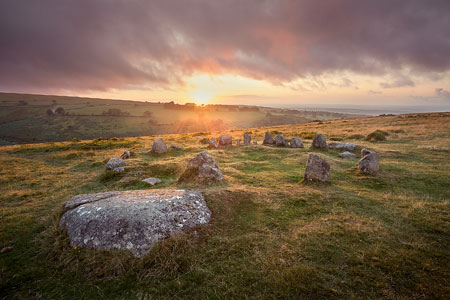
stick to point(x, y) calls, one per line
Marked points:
point(376, 136)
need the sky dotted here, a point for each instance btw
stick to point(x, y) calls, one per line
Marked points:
point(293, 53)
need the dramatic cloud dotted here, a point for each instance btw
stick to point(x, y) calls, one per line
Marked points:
point(443, 94)
point(103, 44)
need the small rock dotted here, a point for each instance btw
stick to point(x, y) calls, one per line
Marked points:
point(247, 138)
point(125, 155)
point(369, 164)
point(115, 162)
point(202, 169)
point(281, 141)
point(319, 141)
point(317, 169)
point(213, 143)
point(174, 147)
point(296, 143)
point(225, 140)
point(152, 180)
point(119, 169)
point(268, 140)
point(346, 146)
point(347, 154)
point(159, 146)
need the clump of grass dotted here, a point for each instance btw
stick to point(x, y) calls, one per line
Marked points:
point(204, 141)
point(200, 134)
point(336, 138)
point(356, 137)
point(109, 175)
point(377, 136)
point(309, 135)
point(397, 131)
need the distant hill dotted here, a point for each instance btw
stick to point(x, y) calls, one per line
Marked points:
point(27, 118)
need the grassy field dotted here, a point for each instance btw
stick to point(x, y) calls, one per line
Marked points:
point(360, 237)
point(24, 118)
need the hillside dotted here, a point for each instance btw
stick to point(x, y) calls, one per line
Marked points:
point(384, 236)
point(28, 118)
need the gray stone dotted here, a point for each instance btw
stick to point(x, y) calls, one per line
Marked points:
point(346, 146)
point(131, 220)
point(319, 141)
point(125, 155)
point(119, 169)
point(281, 141)
point(317, 169)
point(365, 151)
point(238, 143)
point(159, 146)
point(347, 154)
point(213, 143)
point(268, 140)
point(202, 169)
point(115, 162)
point(296, 143)
point(225, 140)
point(247, 138)
point(369, 163)
point(152, 180)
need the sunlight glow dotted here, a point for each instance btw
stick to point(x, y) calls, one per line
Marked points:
point(201, 96)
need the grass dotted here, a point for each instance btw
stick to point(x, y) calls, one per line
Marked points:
point(270, 237)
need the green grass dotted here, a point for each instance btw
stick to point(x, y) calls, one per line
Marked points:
point(363, 237)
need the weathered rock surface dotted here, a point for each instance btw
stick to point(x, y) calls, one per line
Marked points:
point(319, 141)
point(125, 155)
point(202, 169)
point(296, 143)
point(281, 141)
point(213, 143)
point(365, 151)
point(116, 164)
point(347, 154)
point(317, 169)
point(152, 180)
point(369, 163)
point(159, 146)
point(247, 138)
point(225, 140)
point(131, 220)
point(346, 146)
point(268, 139)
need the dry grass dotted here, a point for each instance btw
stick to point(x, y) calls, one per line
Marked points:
point(360, 237)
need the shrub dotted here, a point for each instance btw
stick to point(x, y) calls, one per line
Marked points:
point(376, 136)
point(356, 137)
point(309, 135)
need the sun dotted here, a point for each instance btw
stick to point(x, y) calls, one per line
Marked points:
point(201, 96)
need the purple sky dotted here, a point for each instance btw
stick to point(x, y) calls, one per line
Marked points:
point(113, 46)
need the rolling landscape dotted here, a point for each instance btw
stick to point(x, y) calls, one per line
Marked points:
point(258, 149)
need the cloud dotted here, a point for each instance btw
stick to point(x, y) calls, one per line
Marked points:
point(106, 44)
point(399, 82)
point(443, 94)
point(372, 92)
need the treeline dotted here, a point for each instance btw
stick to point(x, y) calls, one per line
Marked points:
point(210, 107)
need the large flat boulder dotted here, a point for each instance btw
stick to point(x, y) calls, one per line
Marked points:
point(132, 220)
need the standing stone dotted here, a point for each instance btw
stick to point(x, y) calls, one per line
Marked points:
point(125, 155)
point(296, 143)
point(365, 151)
point(247, 138)
point(238, 143)
point(317, 169)
point(159, 146)
point(116, 164)
point(369, 164)
point(319, 141)
point(225, 140)
point(131, 220)
point(280, 140)
point(347, 154)
point(213, 143)
point(268, 140)
point(202, 169)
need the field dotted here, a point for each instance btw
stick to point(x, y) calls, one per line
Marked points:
point(40, 118)
point(270, 237)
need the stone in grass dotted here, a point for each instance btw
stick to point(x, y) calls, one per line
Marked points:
point(152, 180)
point(369, 163)
point(296, 143)
point(319, 141)
point(126, 154)
point(213, 143)
point(317, 169)
point(346, 146)
point(268, 139)
point(225, 140)
point(116, 164)
point(247, 138)
point(159, 146)
point(202, 169)
point(131, 220)
point(281, 141)
point(347, 154)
